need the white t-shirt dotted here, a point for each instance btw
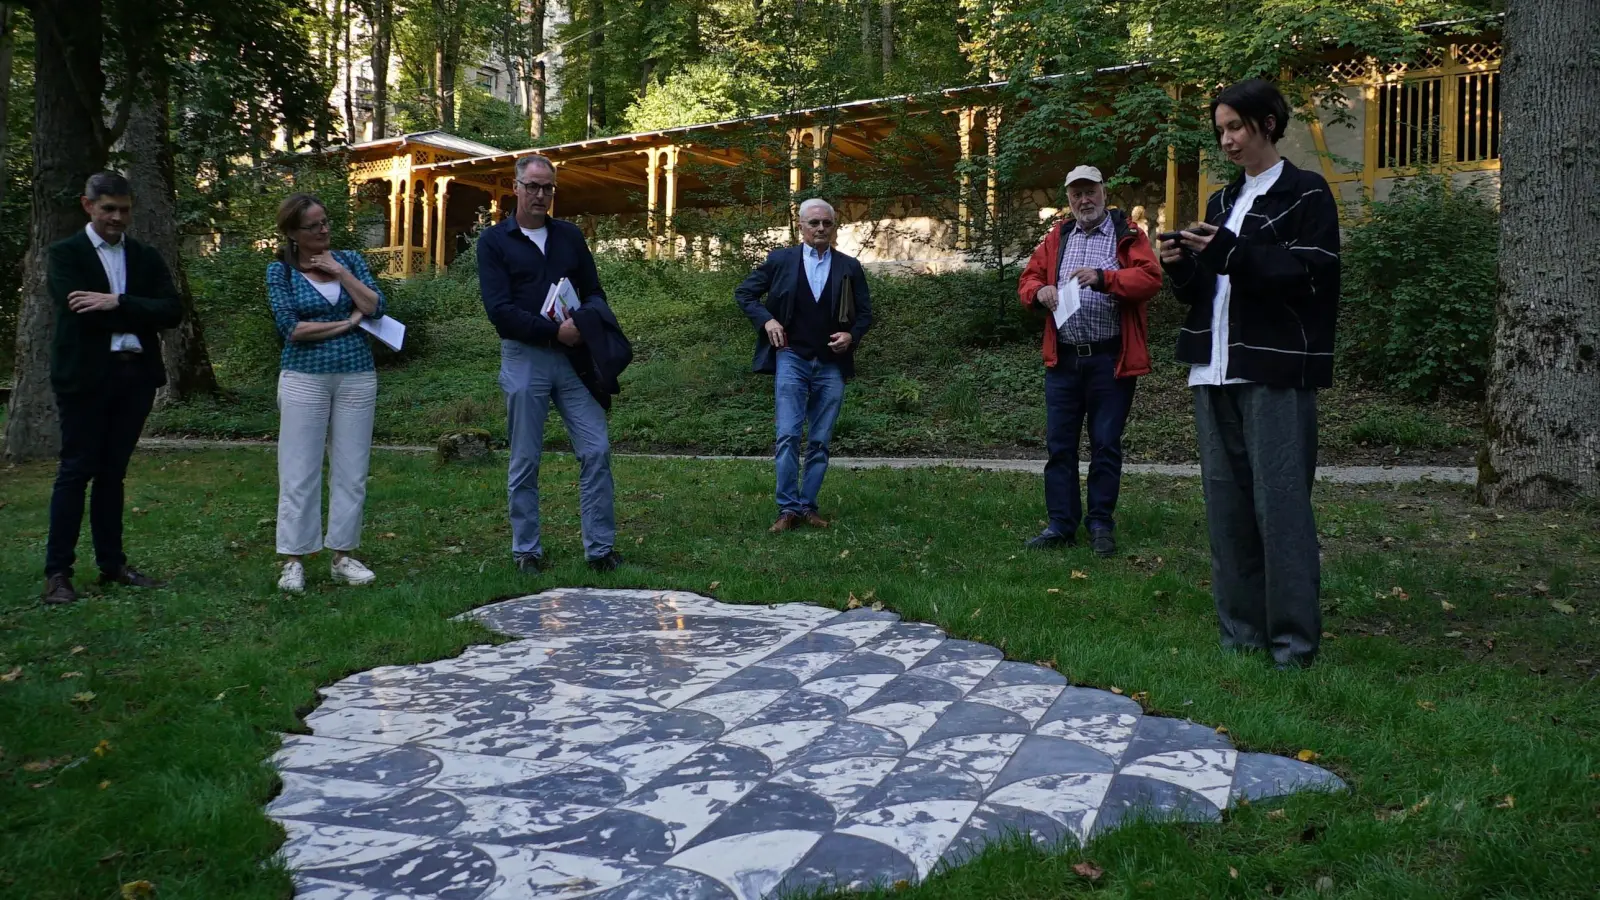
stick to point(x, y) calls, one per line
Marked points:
point(537, 235)
point(328, 289)
point(1214, 372)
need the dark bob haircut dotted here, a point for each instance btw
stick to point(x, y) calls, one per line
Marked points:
point(1255, 101)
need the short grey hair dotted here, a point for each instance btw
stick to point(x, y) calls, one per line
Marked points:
point(816, 201)
point(106, 184)
point(534, 159)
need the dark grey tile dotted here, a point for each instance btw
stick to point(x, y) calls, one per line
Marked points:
point(917, 780)
point(1009, 673)
point(847, 862)
point(861, 663)
point(950, 651)
point(667, 883)
point(1052, 756)
point(913, 689)
point(616, 836)
point(851, 739)
point(405, 766)
point(974, 718)
point(994, 824)
point(771, 807)
point(1133, 798)
point(756, 678)
point(573, 786)
point(816, 643)
point(798, 705)
point(718, 762)
point(417, 811)
point(1257, 776)
point(1080, 703)
point(907, 631)
point(1156, 734)
point(448, 870)
point(678, 725)
point(864, 614)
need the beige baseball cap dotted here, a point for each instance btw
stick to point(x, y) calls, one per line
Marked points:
point(1085, 173)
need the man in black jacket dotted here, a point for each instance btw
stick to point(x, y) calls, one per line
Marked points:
point(111, 295)
point(1261, 278)
point(817, 310)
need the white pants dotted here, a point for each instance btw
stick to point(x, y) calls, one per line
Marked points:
point(316, 411)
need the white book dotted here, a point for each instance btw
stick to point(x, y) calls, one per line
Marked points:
point(560, 302)
point(389, 331)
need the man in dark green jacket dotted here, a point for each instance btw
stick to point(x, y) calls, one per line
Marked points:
point(111, 295)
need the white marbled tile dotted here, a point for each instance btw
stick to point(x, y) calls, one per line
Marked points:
point(312, 846)
point(309, 751)
point(379, 726)
point(1030, 701)
point(778, 741)
point(857, 632)
point(493, 819)
point(735, 706)
point(322, 889)
point(841, 782)
point(1072, 800)
point(526, 874)
point(801, 665)
point(906, 651)
point(305, 795)
point(474, 771)
point(981, 756)
point(921, 831)
point(686, 809)
point(641, 763)
point(1208, 773)
point(963, 673)
point(749, 865)
point(851, 690)
point(1110, 733)
point(909, 720)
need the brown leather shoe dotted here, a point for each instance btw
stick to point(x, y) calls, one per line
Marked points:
point(58, 590)
point(816, 521)
point(786, 522)
point(131, 577)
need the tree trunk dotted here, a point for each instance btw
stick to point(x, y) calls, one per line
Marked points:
point(349, 81)
point(868, 56)
point(597, 67)
point(148, 148)
point(1544, 380)
point(886, 29)
point(67, 148)
point(382, 35)
point(536, 69)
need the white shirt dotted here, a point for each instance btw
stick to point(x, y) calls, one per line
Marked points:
point(328, 289)
point(537, 235)
point(114, 259)
point(1215, 372)
point(817, 265)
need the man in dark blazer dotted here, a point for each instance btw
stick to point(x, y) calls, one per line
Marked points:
point(816, 311)
point(111, 295)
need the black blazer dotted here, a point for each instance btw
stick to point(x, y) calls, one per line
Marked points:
point(81, 350)
point(781, 280)
point(604, 353)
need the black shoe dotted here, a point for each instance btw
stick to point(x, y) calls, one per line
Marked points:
point(58, 590)
point(1052, 540)
point(1103, 542)
point(531, 564)
point(610, 562)
point(131, 577)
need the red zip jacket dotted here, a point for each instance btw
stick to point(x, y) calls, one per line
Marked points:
point(1133, 285)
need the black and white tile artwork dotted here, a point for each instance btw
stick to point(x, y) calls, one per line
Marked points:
point(644, 745)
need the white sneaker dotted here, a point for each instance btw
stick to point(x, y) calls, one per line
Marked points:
point(349, 570)
point(293, 578)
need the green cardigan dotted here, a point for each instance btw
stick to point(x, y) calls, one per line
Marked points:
point(81, 351)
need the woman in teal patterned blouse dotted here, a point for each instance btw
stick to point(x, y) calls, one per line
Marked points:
point(327, 391)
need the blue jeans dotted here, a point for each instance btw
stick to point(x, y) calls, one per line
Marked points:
point(532, 377)
point(1079, 388)
point(809, 393)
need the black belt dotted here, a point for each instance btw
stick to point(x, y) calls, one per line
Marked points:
point(1110, 345)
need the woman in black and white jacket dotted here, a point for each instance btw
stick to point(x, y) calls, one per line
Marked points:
point(1261, 279)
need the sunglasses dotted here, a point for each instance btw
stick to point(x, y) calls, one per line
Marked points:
point(820, 223)
point(538, 187)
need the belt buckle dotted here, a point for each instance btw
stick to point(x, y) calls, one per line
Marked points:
point(1084, 350)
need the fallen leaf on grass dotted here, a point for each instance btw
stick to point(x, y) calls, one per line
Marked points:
point(1307, 755)
point(44, 765)
point(13, 675)
point(713, 585)
point(67, 675)
point(1232, 872)
point(1400, 593)
point(1324, 885)
point(843, 553)
point(1508, 803)
point(1079, 575)
point(1088, 870)
point(83, 697)
point(76, 650)
point(102, 748)
point(388, 535)
point(877, 606)
point(1117, 691)
point(1446, 605)
point(104, 785)
point(1420, 805)
point(853, 603)
point(1222, 729)
point(1452, 634)
point(1427, 705)
point(1046, 663)
point(975, 613)
point(1141, 696)
point(455, 548)
point(1541, 588)
point(1277, 815)
point(1052, 590)
point(138, 890)
point(1566, 609)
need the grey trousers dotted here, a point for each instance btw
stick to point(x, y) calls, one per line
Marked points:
point(1258, 459)
point(532, 377)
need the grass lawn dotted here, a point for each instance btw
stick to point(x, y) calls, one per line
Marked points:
point(1456, 693)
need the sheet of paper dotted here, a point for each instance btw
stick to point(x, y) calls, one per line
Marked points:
point(1066, 302)
point(389, 331)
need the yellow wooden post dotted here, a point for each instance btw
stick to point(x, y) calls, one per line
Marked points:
point(397, 193)
point(408, 211)
point(441, 193)
point(652, 170)
point(427, 222)
point(968, 120)
point(795, 183)
point(1449, 106)
point(671, 154)
point(991, 197)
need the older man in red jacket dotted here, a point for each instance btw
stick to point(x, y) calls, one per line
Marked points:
point(1093, 361)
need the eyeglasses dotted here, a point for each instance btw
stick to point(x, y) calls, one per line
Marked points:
point(820, 223)
point(538, 187)
point(321, 225)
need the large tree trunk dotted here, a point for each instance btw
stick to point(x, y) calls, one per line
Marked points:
point(1544, 380)
point(382, 36)
point(8, 45)
point(149, 151)
point(536, 69)
point(887, 33)
point(597, 67)
point(349, 81)
point(68, 147)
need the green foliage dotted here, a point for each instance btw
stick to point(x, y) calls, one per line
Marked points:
point(17, 177)
point(701, 92)
point(489, 120)
point(1419, 289)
